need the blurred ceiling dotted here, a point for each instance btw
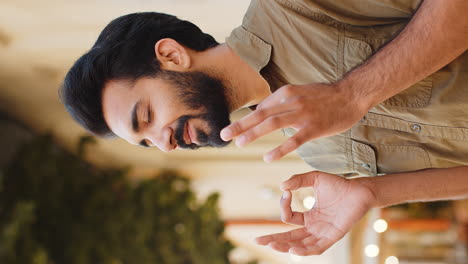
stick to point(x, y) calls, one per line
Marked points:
point(39, 41)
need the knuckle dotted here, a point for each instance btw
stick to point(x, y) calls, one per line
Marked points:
point(301, 101)
point(295, 100)
point(274, 121)
point(235, 127)
point(287, 90)
point(294, 142)
point(261, 114)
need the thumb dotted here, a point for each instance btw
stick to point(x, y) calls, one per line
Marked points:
point(300, 180)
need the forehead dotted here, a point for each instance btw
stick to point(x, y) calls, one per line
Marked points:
point(118, 99)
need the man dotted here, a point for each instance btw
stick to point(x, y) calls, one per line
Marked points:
point(353, 85)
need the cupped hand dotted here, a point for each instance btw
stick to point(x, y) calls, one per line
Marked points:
point(314, 110)
point(340, 203)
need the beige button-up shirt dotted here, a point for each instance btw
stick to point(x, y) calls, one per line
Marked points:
point(302, 42)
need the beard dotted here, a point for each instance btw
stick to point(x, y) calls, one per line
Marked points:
point(200, 91)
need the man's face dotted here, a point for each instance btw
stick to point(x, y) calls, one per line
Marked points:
point(185, 110)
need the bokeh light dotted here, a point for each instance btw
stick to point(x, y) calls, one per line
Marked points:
point(392, 260)
point(380, 226)
point(372, 251)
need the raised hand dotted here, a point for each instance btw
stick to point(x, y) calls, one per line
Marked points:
point(339, 204)
point(314, 110)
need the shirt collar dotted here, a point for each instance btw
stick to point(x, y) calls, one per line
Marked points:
point(250, 48)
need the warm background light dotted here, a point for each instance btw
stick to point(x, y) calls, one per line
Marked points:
point(372, 251)
point(392, 260)
point(380, 226)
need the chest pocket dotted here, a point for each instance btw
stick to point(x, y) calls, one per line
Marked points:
point(355, 52)
point(394, 159)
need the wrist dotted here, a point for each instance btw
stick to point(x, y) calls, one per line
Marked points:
point(370, 184)
point(355, 95)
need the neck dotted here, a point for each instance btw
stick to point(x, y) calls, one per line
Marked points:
point(246, 87)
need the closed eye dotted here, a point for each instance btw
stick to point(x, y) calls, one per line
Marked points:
point(144, 142)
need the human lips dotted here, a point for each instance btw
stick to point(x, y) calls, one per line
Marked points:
point(187, 136)
point(191, 134)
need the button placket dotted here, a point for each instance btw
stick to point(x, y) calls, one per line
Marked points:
point(366, 165)
point(364, 159)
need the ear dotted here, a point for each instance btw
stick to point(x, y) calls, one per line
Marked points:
point(172, 55)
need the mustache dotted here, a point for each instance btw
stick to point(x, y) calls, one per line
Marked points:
point(210, 139)
point(180, 131)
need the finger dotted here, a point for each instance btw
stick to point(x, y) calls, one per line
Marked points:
point(309, 240)
point(282, 95)
point(256, 117)
point(291, 144)
point(295, 234)
point(300, 180)
point(267, 126)
point(313, 246)
point(306, 250)
point(275, 98)
point(285, 246)
point(316, 248)
point(287, 215)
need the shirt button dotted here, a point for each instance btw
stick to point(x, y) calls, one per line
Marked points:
point(365, 165)
point(416, 128)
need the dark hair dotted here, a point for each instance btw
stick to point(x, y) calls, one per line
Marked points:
point(123, 50)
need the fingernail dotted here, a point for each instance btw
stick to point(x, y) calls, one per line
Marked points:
point(285, 195)
point(282, 187)
point(226, 134)
point(268, 158)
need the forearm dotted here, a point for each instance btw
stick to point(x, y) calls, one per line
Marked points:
point(434, 37)
point(425, 185)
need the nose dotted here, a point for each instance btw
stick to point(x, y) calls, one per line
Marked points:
point(163, 140)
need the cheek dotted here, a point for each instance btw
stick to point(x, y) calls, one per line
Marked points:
point(173, 110)
point(200, 125)
point(166, 112)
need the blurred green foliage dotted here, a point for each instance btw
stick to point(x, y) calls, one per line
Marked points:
point(56, 208)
